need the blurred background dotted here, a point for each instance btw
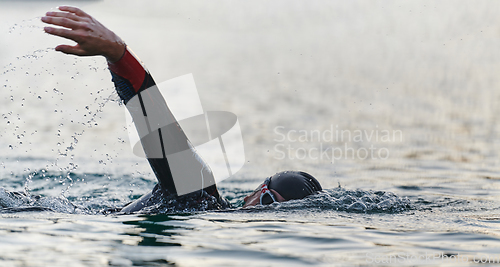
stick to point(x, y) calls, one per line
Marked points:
point(425, 68)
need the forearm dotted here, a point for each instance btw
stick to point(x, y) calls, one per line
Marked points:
point(131, 78)
point(165, 144)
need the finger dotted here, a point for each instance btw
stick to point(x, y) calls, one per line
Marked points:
point(64, 22)
point(63, 15)
point(68, 34)
point(75, 10)
point(71, 50)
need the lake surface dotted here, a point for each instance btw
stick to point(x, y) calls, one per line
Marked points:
point(392, 106)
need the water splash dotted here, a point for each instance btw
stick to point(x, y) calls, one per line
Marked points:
point(15, 124)
point(341, 199)
point(42, 192)
point(29, 24)
point(23, 201)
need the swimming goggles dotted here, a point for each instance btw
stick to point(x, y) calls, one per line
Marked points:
point(264, 191)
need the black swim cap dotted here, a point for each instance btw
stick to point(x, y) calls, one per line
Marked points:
point(294, 184)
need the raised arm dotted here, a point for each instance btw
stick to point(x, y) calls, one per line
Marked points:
point(163, 141)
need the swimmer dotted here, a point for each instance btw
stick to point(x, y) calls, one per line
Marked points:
point(131, 78)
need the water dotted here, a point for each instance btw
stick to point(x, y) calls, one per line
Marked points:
point(425, 72)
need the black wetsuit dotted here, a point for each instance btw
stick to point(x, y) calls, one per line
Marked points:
point(133, 81)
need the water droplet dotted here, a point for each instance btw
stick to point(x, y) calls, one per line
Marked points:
point(10, 146)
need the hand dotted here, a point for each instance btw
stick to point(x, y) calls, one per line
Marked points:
point(91, 36)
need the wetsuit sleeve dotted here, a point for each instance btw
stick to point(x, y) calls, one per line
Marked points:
point(160, 134)
point(129, 76)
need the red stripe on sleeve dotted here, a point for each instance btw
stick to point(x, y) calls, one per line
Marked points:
point(130, 68)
